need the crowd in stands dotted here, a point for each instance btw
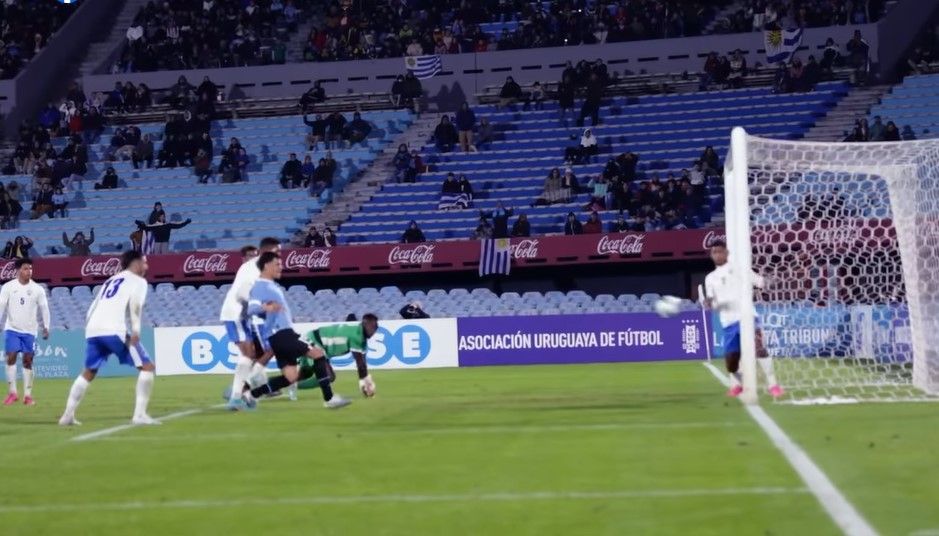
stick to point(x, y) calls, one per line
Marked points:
point(315, 178)
point(879, 131)
point(759, 15)
point(25, 29)
point(181, 34)
point(924, 59)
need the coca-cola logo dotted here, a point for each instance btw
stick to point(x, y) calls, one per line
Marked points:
point(214, 263)
point(626, 245)
point(317, 258)
point(8, 270)
point(422, 254)
point(525, 249)
point(101, 268)
point(711, 237)
point(835, 235)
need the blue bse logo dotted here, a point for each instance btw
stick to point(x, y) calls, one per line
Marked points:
point(202, 351)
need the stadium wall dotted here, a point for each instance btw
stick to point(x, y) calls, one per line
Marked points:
point(62, 355)
point(467, 74)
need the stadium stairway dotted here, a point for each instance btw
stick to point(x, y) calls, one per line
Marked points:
point(224, 215)
point(186, 305)
point(99, 52)
point(840, 120)
point(914, 103)
point(668, 132)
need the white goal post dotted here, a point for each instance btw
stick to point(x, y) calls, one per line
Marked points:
point(847, 237)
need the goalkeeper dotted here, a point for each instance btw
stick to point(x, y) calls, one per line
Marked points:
point(337, 340)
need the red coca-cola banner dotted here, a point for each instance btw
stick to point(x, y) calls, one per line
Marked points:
point(389, 258)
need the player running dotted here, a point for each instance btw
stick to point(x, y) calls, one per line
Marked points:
point(234, 316)
point(23, 301)
point(121, 296)
point(721, 295)
point(277, 335)
point(337, 340)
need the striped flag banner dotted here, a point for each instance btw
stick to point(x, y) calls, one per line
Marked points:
point(495, 256)
point(146, 245)
point(423, 67)
point(780, 45)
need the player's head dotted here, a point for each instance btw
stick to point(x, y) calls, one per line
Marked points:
point(270, 265)
point(269, 243)
point(24, 269)
point(719, 252)
point(134, 262)
point(369, 324)
point(248, 253)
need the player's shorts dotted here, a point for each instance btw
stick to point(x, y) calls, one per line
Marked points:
point(287, 347)
point(98, 349)
point(16, 342)
point(731, 338)
point(238, 330)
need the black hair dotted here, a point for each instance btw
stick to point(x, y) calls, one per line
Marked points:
point(369, 317)
point(265, 258)
point(20, 262)
point(128, 257)
point(718, 244)
point(269, 241)
point(247, 249)
point(351, 317)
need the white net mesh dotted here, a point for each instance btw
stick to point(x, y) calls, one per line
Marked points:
point(848, 235)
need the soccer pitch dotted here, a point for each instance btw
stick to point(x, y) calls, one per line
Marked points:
point(618, 449)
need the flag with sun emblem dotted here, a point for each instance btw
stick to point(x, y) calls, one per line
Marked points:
point(423, 67)
point(780, 45)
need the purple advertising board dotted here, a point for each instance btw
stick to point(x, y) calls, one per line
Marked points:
point(590, 338)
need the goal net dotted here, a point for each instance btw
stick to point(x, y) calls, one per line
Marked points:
point(847, 237)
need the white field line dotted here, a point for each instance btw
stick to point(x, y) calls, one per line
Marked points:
point(120, 428)
point(841, 511)
point(399, 498)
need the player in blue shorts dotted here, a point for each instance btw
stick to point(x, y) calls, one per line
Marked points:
point(24, 302)
point(106, 334)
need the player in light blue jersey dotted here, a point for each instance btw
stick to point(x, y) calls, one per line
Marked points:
point(106, 333)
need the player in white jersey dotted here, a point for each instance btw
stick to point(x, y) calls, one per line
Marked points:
point(721, 294)
point(23, 301)
point(106, 333)
point(237, 324)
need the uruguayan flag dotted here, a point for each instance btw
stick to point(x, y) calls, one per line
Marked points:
point(495, 256)
point(423, 66)
point(780, 45)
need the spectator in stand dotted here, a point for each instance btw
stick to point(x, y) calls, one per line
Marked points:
point(552, 191)
point(59, 203)
point(465, 124)
point(710, 74)
point(908, 134)
point(592, 100)
point(202, 166)
point(919, 60)
point(451, 195)
point(417, 162)
point(445, 135)
point(593, 225)
point(861, 131)
point(500, 220)
point(510, 93)
point(738, 70)
point(465, 187)
point(229, 170)
point(412, 91)
point(877, 129)
point(587, 148)
point(404, 165)
point(317, 131)
point(161, 231)
point(710, 161)
point(242, 161)
point(314, 239)
point(49, 119)
point(521, 228)
point(891, 133)
point(155, 213)
point(79, 246)
point(10, 210)
point(313, 96)
point(143, 152)
point(536, 96)
point(412, 234)
point(109, 181)
point(290, 173)
point(18, 248)
point(569, 185)
point(42, 202)
point(335, 125)
point(486, 134)
point(483, 230)
point(572, 225)
point(831, 57)
point(307, 170)
point(356, 130)
point(413, 311)
point(397, 91)
point(566, 94)
point(858, 53)
point(599, 189)
point(619, 225)
point(330, 238)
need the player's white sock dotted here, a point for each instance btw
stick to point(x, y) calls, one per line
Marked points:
point(11, 378)
point(735, 379)
point(27, 382)
point(75, 395)
point(144, 387)
point(766, 363)
point(242, 371)
point(258, 376)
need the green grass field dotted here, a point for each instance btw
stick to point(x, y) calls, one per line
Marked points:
point(598, 449)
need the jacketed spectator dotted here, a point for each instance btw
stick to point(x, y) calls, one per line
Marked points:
point(552, 192)
point(307, 170)
point(109, 180)
point(413, 311)
point(592, 99)
point(317, 131)
point(330, 238)
point(155, 213)
point(356, 130)
point(313, 96)
point(599, 188)
point(500, 220)
point(314, 239)
point(412, 234)
point(584, 150)
point(858, 53)
point(486, 134)
point(521, 228)
point(445, 135)
point(397, 91)
point(42, 201)
point(711, 161)
point(335, 124)
point(566, 94)
point(877, 129)
point(908, 134)
point(10, 210)
point(59, 203)
point(18, 248)
point(593, 225)
point(161, 231)
point(290, 173)
point(569, 184)
point(465, 124)
point(572, 225)
point(891, 133)
point(535, 97)
point(483, 230)
point(619, 225)
point(412, 91)
point(79, 246)
point(510, 93)
point(202, 166)
point(143, 152)
point(738, 70)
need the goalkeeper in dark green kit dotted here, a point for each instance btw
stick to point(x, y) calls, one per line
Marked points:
point(337, 340)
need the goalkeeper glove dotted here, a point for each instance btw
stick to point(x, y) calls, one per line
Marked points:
point(367, 386)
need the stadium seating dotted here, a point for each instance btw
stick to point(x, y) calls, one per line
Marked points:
point(915, 102)
point(667, 131)
point(224, 215)
point(190, 306)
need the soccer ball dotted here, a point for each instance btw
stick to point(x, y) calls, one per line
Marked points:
point(668, 306)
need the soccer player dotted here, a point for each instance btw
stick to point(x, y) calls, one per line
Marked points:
point(23, 300)
point(234, 316)
point(721, 295)
point(269, 302)
point(106, 333)
point(340, 339)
